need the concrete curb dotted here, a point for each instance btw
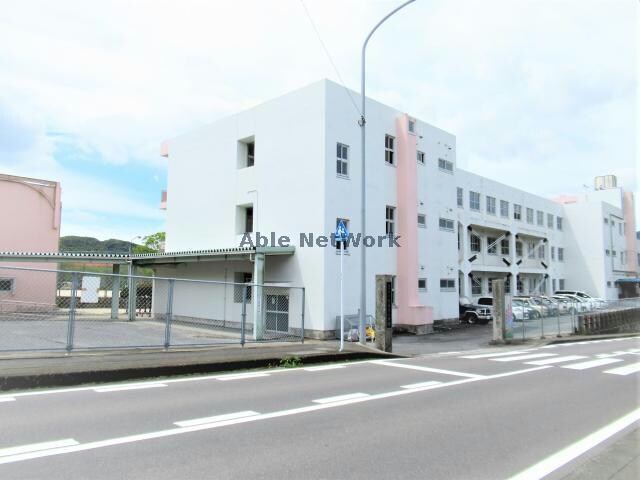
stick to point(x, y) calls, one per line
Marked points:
point(74, 378)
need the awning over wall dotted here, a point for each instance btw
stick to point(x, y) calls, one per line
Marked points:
point(628, 280)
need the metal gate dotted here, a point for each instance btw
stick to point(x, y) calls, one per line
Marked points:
point(277, 313)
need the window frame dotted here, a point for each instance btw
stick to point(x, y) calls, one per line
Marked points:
point(490, 203)
point(390, 220)
point(445, 165)
point(389, 151)
point(12, 285)
point(420, 157)
point(473, 249)
point(504, 208)
point(448, 286)
point(460, 197)
point(342, 163)
point(446, 227)
point(472, 203)
point(422, 224)
point(424, 288)
point(517, 212)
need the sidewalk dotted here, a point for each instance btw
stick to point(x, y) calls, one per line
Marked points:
point(32, 370)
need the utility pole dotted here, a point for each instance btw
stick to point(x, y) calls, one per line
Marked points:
point(363, 195)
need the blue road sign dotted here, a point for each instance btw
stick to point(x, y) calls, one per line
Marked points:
point(342, 234)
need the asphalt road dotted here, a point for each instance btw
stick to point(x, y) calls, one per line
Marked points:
point(491, 414)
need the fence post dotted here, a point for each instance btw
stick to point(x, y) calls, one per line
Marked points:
point(303, 300)
point(72, 311)
point(131, 310)
point(243, 318)
point(169, 315)
point(542, 324)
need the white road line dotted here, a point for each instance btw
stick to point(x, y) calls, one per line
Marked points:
point(133, 386)
point(36, 447)
point(501, 354)
point(422, 384)
point(263, 416)
point(323, 367)
point(216, 418)
point(548, 361)
point(7, 399)
point(426, 369)
point(448, 353)
point(340, 398)
point(626, 370)
point(523, 357)
point(240, 376)
point(564, 456)
point(592, 363)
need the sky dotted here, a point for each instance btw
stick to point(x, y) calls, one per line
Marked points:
point(541, 94)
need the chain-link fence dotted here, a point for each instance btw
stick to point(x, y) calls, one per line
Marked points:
point(63, 310)
point(541, 317)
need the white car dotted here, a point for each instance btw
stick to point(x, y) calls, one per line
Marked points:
point(594, 303)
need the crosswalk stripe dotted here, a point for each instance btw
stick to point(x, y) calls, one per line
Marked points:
point(626, 370)
point(592, 363)
point(523, 357)
point(548, 361)
point(489, 355)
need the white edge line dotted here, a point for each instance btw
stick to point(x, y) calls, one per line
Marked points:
point(564, 456)
point(264, 416)
point(323, 367)
point(548, 361)
point(427, 369)
point(240, 376)
point(7, 399)
point(421, 384)
point(119, 388)
point(340, 398)
point(592, 363)
point(496, 354)
point(37, 447)
point(523, 357)
point(215, 419)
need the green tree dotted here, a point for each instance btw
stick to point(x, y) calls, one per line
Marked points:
point(151, 243)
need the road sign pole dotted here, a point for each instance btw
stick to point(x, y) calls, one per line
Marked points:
point(342, 297)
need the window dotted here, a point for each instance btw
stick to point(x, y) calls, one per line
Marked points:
point(341, 244)
point(445, 165)
point(447, 284)
point(517, 211)
point(559, 223)
point(474, 200)
point(246, 152)
point(460, 196)
point(561, 284)
point(490, 284)
point(248, 220)
point(342, 160)
point(504, 246)
point(492, 246)
point(491, 205)
point(614, 253)
point(531, 250)
point(389, 149)
point(621, 258)
point(446, 224)
point(541, 254)
point(519, 249)
point(422, 220)
point(412, 126)
point(507, 285)
point(529, 215)
point(561, 257)
point(609, 284)
point(620, 228)
point(549, 220)
point(422, 284)
point(474, 243)
point(420, 156)
point(390, 223)
point(240, 279)
point(606, 221)
point(6, 284)
point(553, 254)
point(607, 252)
point(504, 208)
point(476, 286)
point(519, 285)
point(553, 285)
point(251, 154)
point(613, 223)
point(540, 218)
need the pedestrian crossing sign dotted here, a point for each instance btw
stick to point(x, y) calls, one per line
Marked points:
point(342, 234)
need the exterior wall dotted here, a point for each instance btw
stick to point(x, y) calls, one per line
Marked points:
point(294, 188)
point(30, 218)
point(206, 187)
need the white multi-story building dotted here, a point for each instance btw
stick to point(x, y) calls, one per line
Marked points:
point(291, 167)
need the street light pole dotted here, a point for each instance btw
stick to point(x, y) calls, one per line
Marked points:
point(363, 195)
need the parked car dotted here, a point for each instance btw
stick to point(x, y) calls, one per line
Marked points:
point(537, 311)
point(552, 306)
point(521, 312)
point(565, 305)
point(593, 302)
point(579, 304)
point(474, 313)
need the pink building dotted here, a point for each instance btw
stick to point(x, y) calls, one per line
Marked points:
point(30, 219)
